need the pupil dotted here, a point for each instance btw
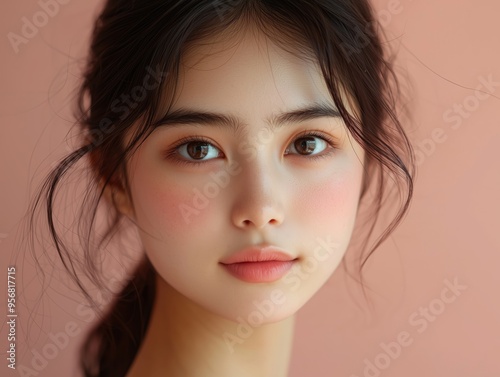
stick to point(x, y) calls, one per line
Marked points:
point(306, 144)
point(197, 150)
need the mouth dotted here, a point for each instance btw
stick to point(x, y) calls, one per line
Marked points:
point(259, 264)
point(259, 272)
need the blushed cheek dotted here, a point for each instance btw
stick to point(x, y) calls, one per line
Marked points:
point(332, 205)
point(171, 209)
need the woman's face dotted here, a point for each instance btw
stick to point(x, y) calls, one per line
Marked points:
point(258, 179)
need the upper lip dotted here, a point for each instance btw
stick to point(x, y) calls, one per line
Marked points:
point(258, 253)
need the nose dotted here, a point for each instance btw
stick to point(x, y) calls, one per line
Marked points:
point(259, 199)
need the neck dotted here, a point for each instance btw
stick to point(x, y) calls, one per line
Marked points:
point(184, 339)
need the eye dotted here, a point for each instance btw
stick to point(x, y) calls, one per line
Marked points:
point(312, 144)
point(198, 150)
point(193, 150)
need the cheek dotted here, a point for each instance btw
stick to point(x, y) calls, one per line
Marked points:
point(171, 209)
point(164, 204)
point(331, 205)
point(167, 220)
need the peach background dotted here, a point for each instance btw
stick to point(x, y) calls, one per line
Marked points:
point(451, 233)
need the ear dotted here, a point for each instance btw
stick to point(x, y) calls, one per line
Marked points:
point(119, 197)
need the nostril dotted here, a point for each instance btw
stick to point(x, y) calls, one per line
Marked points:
point(250, 222)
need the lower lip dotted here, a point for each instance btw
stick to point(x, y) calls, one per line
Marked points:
point(259, 272)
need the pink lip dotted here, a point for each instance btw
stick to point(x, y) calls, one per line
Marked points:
point(259, 264)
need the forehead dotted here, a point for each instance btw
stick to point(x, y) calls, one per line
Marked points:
point(248, 74)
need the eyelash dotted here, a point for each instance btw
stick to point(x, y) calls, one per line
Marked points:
point(171, 153)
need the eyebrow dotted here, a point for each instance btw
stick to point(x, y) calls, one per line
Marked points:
point(185, 116)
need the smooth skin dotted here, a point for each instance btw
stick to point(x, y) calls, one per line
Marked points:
point(206, 322)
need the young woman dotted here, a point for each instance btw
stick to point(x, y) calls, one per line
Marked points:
point(240, 139)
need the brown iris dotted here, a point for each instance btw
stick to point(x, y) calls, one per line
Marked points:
point(197, 150)
point(305, 145)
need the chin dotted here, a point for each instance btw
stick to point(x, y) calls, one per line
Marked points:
point(277, 304)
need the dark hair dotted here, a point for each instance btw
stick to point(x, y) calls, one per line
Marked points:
point(133, 40)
